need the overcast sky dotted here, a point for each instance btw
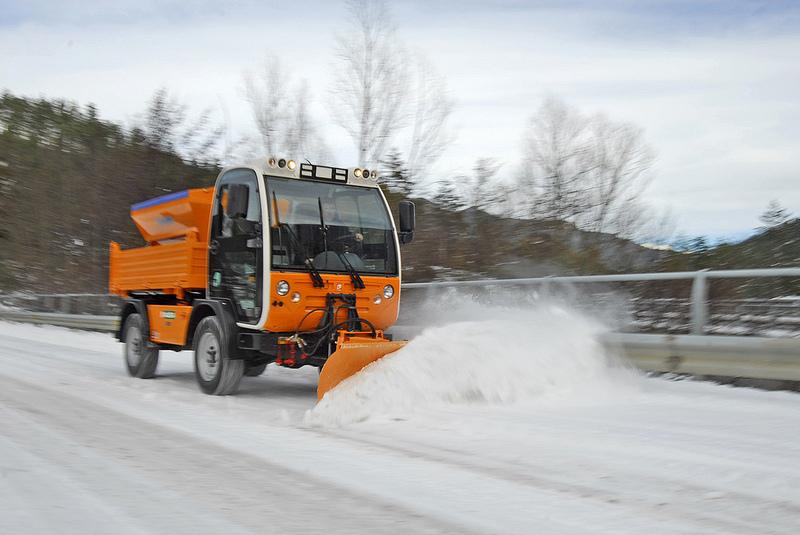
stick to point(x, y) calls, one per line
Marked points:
point(715, 85)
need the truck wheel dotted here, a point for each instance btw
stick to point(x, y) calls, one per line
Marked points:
point(140, 360)
point(216, 373)
point(255, 371)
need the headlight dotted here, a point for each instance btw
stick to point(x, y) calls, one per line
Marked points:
point(388, 291)
point(282, 287)
point(296, 297)
point(377, 299)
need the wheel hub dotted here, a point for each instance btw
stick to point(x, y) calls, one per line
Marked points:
point(208, 356)
point(133, 349)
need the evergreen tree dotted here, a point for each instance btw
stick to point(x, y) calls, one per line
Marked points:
point(447, 197)
point(774, 215)
point(395, 174)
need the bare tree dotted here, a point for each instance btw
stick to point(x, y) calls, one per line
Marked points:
point(371, 82)
point(554, 162)
point(280, 107)
point(432, 107)
point(585, 169)
point(298, 127)
point(483, 193)
point(266, 93)
point(617, 161)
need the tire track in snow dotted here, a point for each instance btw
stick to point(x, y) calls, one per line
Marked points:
point(232, 487)
point(729, 520)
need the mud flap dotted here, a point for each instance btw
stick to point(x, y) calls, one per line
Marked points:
point(351, 357)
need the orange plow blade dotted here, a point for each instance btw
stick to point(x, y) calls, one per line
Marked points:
point(350, 357)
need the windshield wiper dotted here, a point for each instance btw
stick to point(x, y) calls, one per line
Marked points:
point(355, 278)
point(358, 283)
point(316, 278)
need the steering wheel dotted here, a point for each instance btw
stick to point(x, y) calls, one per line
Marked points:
point(349, 242)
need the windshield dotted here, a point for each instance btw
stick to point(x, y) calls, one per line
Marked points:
point(357, 229)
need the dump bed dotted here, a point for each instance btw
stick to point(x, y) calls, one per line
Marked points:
point(176, 257)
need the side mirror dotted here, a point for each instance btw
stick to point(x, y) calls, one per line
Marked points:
point(238, 199)
point(408, 221)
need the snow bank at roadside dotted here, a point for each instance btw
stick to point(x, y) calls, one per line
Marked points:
point(549, 354)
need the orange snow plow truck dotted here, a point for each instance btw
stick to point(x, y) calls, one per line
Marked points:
point(278, 262)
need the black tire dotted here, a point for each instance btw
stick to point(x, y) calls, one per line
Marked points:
point(216, 374)
point(256, 370)
point(141, 360)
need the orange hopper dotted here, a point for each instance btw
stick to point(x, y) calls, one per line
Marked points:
point(174, 215)
point(175, 227)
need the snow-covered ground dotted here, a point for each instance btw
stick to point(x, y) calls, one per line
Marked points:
point(466, 430)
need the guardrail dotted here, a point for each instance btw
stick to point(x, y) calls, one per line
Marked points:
point(696, 323)
point(715, 356)
point(72, 321)
point(698, 297)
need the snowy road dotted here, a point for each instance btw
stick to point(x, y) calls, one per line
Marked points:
point(86, 449)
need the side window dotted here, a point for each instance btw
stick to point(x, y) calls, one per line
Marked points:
point(243, 224)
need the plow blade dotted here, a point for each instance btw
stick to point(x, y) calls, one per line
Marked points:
point(351, 357)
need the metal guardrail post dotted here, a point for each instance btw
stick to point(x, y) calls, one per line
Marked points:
point(699, 302)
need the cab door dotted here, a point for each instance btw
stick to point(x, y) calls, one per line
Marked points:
point(235, 244)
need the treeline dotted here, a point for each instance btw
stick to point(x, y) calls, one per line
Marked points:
point(68, 178)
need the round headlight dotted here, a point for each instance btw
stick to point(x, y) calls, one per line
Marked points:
point(281, 163)
point(296, 297)
point(282, 288)
point(388, 291)
point(377, 299)
point(291, 164)
point(357, 172)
